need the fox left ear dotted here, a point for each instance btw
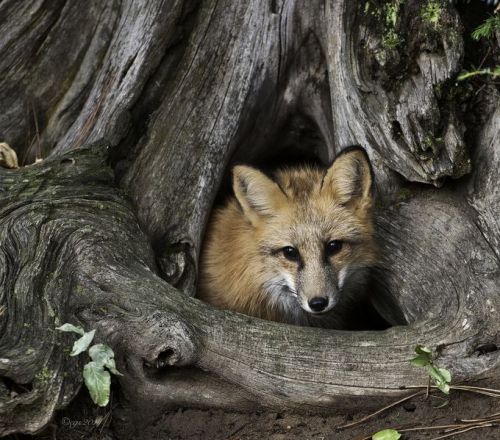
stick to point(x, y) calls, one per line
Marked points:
point(350, 178)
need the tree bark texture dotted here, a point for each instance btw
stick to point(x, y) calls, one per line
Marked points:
point(107, 233)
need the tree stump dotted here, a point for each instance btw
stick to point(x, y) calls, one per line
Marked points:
point(107, 233)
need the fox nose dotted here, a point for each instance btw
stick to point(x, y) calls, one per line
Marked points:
point(318, 303)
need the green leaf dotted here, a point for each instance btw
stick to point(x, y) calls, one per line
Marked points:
point(440, 380)
point(103, 355)
point(435, 374)
point(423, 350)
point(98, 382)
point(444, 387)
point(445, 374)
point(424, 357)
point(386, 434)
point(83, 343)
point(71, 328)
point(420, 361)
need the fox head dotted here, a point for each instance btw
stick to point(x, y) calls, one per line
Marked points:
point(313, 229)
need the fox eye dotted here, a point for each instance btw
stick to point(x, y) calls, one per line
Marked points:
point(290, 253)
point(333, 247)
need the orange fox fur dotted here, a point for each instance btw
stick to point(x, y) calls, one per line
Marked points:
point(282, 246)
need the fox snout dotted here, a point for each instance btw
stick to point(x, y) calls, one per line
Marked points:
point(316, 281)
point(319, 303)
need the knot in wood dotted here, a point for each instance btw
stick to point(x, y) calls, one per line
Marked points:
point(172, 342)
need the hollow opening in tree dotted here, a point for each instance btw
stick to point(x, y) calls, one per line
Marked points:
point(296, 144)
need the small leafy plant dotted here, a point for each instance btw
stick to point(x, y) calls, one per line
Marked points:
point(431, 12)
point(440, 376)
point(484, 31)
point(96, 373)
point(487, 29)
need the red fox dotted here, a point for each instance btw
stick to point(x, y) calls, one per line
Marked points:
point(291, 248)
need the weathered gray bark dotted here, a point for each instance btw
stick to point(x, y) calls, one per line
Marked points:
point(181, 90)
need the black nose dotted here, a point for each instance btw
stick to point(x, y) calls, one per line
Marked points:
point(318, 304)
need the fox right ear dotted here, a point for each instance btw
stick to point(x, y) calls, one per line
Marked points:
point(350, 178)
point(256, 193)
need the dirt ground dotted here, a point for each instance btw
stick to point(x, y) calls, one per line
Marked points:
point(78, 422)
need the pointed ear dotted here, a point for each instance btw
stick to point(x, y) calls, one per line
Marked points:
point(256, 193)
point(350, 178)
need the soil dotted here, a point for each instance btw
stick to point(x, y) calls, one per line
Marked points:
point(81, 420)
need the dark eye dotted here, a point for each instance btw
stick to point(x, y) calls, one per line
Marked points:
point(333, 247)
point(290, 253)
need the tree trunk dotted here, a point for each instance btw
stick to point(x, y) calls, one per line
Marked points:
point(106, 234)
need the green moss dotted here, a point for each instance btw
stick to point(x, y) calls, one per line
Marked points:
point(390, 16)
point(44, 375)
point(431, 12)
point(433, 144)
point(391, 39)
point(392, 13)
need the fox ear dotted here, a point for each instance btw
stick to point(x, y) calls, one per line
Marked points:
point(350, 178)
point(256, 193)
